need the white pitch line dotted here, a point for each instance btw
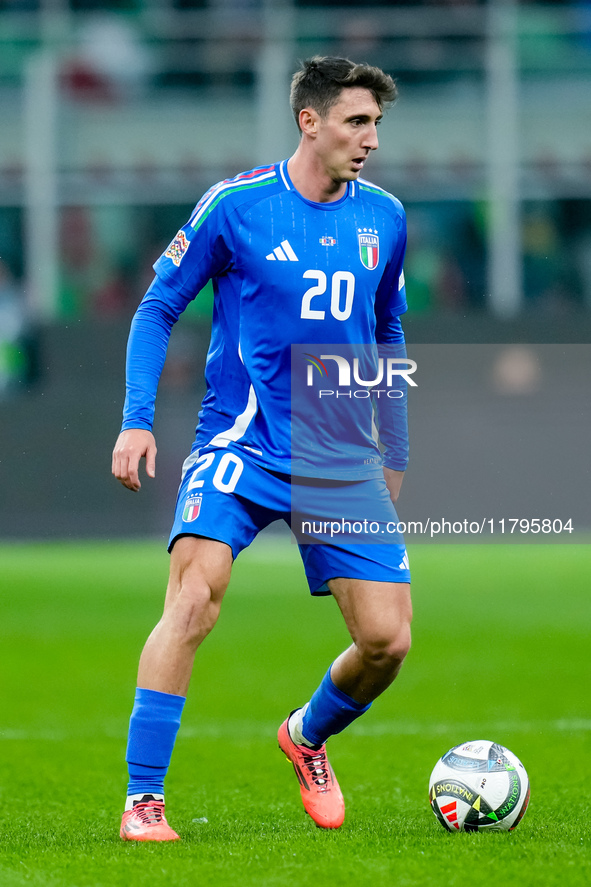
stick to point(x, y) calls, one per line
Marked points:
point(229, 729)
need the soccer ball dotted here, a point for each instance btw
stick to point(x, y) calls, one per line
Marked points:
point(479, 786)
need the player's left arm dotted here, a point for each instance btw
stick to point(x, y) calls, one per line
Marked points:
point(394, 480)
point(392, 413)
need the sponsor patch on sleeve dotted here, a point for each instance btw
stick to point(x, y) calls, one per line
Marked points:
point(178, 248)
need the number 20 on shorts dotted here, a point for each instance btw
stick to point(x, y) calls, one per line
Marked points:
point(226, 475)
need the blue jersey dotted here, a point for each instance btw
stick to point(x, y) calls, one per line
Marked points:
point(285, 270)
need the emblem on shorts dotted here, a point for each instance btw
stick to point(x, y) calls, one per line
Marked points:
point(177, 248)
point(192, 508)
point(369, 247)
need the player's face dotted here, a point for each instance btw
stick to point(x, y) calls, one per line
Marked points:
point(348, 134)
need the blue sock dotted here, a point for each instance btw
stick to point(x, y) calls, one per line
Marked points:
point(154, 723)
point(329, 711)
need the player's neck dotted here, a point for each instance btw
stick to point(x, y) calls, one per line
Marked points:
point(312, 181)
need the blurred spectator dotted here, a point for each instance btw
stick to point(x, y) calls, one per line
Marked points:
point(110, 63)
point(78, 259)
point(360, 37)
point(18, 347)
point(116, 296)
point(445, 263)
point(549, 278)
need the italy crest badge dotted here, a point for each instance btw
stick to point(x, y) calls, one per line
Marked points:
point(369, 248)
point(192, 508)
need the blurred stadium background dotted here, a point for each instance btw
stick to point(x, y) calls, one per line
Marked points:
point(117, 115)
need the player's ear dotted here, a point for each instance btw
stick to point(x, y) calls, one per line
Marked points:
point(308, 121)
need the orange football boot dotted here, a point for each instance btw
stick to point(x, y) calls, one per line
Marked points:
point(146, 822)
point(322, 797)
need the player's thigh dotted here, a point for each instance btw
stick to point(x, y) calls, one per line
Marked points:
point(376, 613)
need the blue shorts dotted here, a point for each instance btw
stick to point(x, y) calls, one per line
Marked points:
point(225, 496)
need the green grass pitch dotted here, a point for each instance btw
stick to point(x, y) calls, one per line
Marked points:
point(501, 650)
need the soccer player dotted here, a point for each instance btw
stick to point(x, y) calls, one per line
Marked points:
point(301, 251)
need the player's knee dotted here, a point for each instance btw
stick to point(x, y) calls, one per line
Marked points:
point(200, 616)
point(195, 612)
point(386, 650)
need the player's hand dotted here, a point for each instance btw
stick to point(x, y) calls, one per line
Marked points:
point(393, 482)
point(133, 445)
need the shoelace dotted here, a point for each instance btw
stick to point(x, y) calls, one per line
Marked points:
point(150, 813)
point(318, 768)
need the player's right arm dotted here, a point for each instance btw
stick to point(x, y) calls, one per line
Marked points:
point(193, 257)
point(132, 445)
point(146, 353)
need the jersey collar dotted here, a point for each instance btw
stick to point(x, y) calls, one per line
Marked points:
point(333, 204)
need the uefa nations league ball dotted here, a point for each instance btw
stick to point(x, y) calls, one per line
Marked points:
point(479, 786)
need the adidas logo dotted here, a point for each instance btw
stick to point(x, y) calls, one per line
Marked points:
point(451, 814)
point(405, 564)
point(284, 253)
